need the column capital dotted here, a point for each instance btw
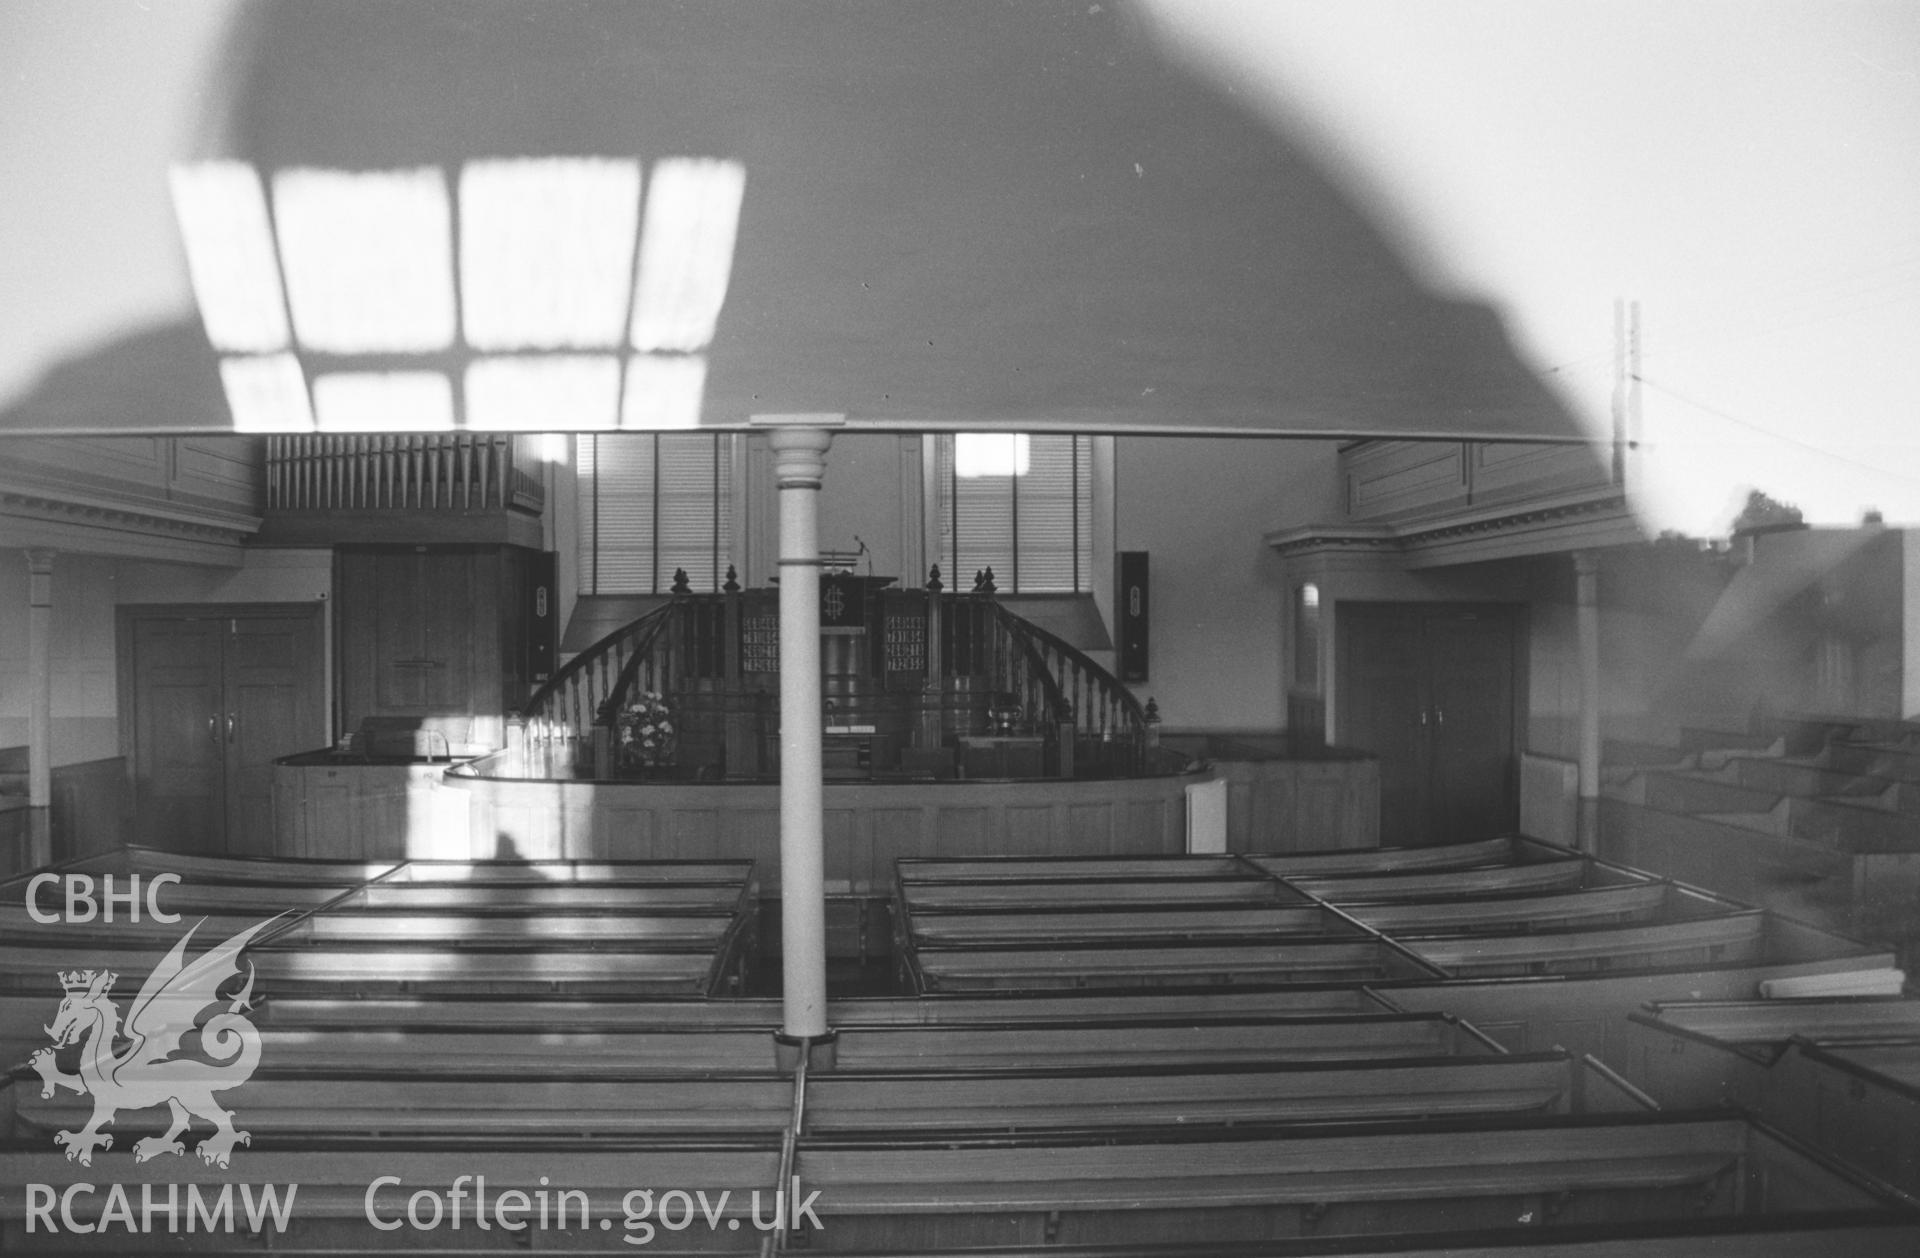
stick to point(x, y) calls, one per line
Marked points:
point(800, 456)
point(1586, 563)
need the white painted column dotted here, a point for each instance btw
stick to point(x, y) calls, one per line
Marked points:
point(40, 702)
point(799, 464)
point(1586, 578)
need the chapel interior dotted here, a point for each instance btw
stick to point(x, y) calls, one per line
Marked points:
point(906, 603)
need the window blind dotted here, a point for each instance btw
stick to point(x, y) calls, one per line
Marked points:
point(1020, 505)
point(651, 503)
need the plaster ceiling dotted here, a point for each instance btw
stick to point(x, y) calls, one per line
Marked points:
point(957, 215)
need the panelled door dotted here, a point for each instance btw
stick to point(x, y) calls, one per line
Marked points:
point(216, 694)
point(1431, 690)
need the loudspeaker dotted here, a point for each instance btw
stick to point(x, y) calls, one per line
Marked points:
point(1130, 590)
point(541, 623)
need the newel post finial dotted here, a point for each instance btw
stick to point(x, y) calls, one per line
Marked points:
point(933, 579)
point(682, 584)
point(732, 584)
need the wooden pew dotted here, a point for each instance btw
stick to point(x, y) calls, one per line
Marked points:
point(275, 1105)
point(193, 867)
point(883, 1105)
point(258, 869)
point(1859, 1101)
point(1380, 860)
point(1078, 925)
point(546, 872)
point(1842, 1074)
point(1541, 876)
point(1331, 960)
point(1829, 1020)
point(1117, 893)
point(1732, 937)
point(334, 1178)
point(1555, 910)
point(372, 1049)
point(1224, 1004)
point(548, 897)
point(1139, 1044)
point(353, 926)
point(411, 968)
point(535, 1012)
point(1430, 1178)
point(926, 869)
point(547, 1012)
point(192, 898)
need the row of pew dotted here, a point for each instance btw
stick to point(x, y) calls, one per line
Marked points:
point(1819, 817)
point(685, 927)
point(1175, 1117)
point(1509, 907)
point(1840, 1073)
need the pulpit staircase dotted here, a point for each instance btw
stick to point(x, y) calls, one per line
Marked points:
point(919, 675)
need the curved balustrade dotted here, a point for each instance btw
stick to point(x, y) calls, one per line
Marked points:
point(588, 689)
point(922, 684)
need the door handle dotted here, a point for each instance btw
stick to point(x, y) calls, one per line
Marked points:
point(213, 728)
point(232, 721)
point(1439, 716)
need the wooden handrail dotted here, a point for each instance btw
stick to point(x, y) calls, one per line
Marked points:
point(689, 650)
point(569, 697)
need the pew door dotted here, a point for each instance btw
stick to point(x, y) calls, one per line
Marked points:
point(1432, 690)
point(211, 696)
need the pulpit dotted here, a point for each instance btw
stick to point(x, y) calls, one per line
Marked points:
point(864, 724)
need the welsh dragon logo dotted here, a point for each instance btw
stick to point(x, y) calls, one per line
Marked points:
point(159, 1062)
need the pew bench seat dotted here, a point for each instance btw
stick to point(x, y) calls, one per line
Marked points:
point(1078, 925)
point(1734, 937)
point(1381, 1037)
point(1554, 910)
point(1326, 961)
point(842, 1102)
point(1377, 888)
point(277, 1107)
point(1112, 893)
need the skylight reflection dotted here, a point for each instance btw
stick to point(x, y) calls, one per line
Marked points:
point(267, 394)
point(230, 257)
point(546, 252)
point(533, 394)
point(663, 392)
point(686, 252)
point(383, 401)
point(368, 259)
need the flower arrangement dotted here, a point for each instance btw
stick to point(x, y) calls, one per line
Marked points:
point(645, 729)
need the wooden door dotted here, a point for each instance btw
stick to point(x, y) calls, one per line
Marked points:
point(215, 695)
point(1473, 770)
point(274, 693)
point(179, 742)
point(1431, 690)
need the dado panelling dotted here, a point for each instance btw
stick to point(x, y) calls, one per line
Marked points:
point(865, 827)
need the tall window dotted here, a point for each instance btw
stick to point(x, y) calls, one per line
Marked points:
point(1021, 504)
point(651, 503)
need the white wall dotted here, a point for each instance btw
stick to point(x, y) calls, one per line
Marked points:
point(82, 651)
point(1199, 507)
point(86, 589)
